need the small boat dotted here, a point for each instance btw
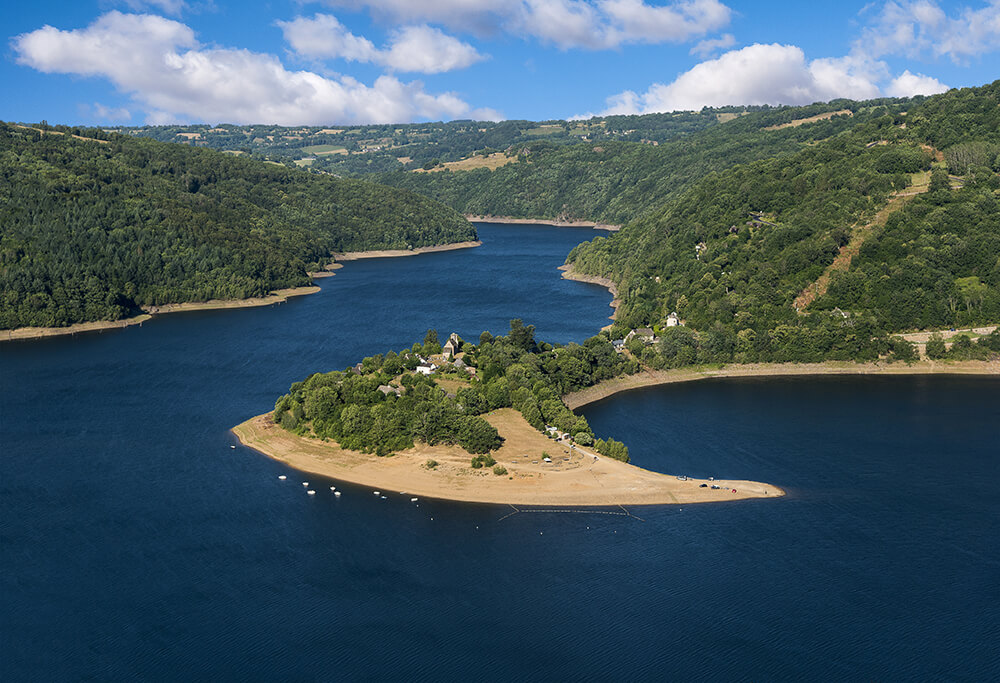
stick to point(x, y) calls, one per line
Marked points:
point(376, 493)
point(311, 492)
point(305, 483)
point(333, 488)
point(282, 477)
point(232, 446)
point(337, 493)
point(413, 500)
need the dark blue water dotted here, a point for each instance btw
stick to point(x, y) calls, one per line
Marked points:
point(136, 544)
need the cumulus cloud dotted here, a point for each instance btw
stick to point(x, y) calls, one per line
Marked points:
point(921, 27)
point(591, 24)
point(323, 36)
point(427, 50)
point(162, 66)
point(757, 74)
point(908, 84)
point(411, 48)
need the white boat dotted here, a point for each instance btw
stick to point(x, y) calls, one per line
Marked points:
point(232, 446)
point(305, 483)
point(333, 488)
point(376, 493)
point(337, 493)
point(413, 500)
point(311, 492)
point(282, 477)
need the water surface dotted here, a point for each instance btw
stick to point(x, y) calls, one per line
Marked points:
point(136, 544)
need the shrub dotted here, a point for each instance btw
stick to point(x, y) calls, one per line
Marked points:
point(499, 470)
point(431, 464)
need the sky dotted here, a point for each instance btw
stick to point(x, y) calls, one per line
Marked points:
point(302, 62)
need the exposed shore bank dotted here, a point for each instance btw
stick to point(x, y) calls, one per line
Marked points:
point(573, 478)
point(278, 296)
point(569, 274)
point(395, 253)
point(652, 378)
point(542, 221)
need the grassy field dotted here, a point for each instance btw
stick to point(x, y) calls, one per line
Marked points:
point(324, 149)
point(493, 161)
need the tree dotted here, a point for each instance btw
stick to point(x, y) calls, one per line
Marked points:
point(936, 347)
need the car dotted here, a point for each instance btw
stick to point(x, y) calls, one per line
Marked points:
point(703, 486)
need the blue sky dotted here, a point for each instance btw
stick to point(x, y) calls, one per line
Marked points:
point(373, 61)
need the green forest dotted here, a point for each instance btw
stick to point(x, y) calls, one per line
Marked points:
point(382, 405)
point(732, 253)
point(615, 182)
point(94, 229)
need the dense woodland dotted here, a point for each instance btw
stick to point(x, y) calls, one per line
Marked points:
point(615, 182)
point(732, 253)
point(93, 230)
point(511, 371)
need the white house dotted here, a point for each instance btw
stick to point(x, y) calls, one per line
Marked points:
point(426, 368)
point(673, 320)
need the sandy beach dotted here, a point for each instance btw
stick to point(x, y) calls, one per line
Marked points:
point(652, 378)
point(573, 478)
point(395, 253)
point(542, 221)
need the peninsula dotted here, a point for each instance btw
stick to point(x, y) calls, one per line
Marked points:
point(472, 422)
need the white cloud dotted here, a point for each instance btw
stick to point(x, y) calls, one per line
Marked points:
point(161, 65)
point(411, 48)
point(757, 74)
point(922, 28)
point(710, 45)
point(908, 84)
point(591, 24)
point(427, 50)
point(324, 36)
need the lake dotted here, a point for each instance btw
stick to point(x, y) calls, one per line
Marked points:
point(136, 544)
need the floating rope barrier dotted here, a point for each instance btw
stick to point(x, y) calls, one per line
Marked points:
point(623, 513)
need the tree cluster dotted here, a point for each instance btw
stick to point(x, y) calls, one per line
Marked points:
point(95, 230)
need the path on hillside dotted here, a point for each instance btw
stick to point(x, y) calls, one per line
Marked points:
point(847, 253)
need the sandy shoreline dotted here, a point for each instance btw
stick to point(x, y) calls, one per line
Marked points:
point(569, 274)
point(396, 253)
point(574, 478)
point(507, 220)
point(652, 378)
point(276, 297)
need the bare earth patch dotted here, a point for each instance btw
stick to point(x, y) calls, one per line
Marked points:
point(811, 119)
point(574, 477)
point(492, 162)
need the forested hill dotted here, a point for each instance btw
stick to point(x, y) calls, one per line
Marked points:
point(615, 181)
point(94, 229)
point(908, 204)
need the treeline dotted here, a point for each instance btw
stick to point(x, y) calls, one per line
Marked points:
point(95, 230)
point(615, 182)
point(382, 405)
point(733, 252)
